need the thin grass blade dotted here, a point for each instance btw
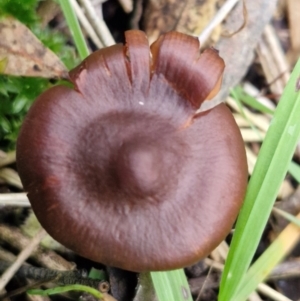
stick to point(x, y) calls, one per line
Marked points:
point(67, 288)
point(250, 100)
point(271, 167)
point(74, 28)
point(294, 170)
point(291, 218)
point(280, 248)
point(171, 286)
point(237, 99)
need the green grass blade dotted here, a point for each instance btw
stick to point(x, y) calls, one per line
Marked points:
point(74, 28)
point(67, 288)
point(249, 100)
point(171, 286)
point(291, 218)
point(283, 244)
point(294, 170)
point(271, 166)
point(236, 97)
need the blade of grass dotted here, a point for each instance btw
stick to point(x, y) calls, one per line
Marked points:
point(283, 244)
point(67, 288)
point(239, 95)
point(294, 170)
point(74, 28)
point(250, 100)
point(235, 96)
point(171, 286)
point(291, 218)
point(272, 164)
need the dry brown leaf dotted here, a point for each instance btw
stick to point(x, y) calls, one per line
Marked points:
point(293, 16)
point(25, 55)
point(238, 51)
point(189, 16)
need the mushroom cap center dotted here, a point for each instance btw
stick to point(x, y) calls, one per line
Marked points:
point(139, 167)
point(118, 163)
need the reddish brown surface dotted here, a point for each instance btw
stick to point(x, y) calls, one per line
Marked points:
point(120, 169)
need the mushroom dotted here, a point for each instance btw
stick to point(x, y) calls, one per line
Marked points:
point(122, 169)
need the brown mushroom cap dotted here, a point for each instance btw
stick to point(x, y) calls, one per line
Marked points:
point(121, 170)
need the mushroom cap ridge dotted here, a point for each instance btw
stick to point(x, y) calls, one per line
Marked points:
point(121, 170)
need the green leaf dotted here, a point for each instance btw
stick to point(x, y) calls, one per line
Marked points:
point(236, 97)
point(67, 288)
point(271, 167)
point(262, 267)
point(4, 124)
point(24, 10)
point(74, 28)
point(251, 101)
point(97, 274)
point(294, 170)
point(171, 286)
point(19, 104)
point(3, 63)
point(291, 218)
point(57, 42)
point(18, 94)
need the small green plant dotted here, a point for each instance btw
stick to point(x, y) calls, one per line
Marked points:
point(18, 93)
